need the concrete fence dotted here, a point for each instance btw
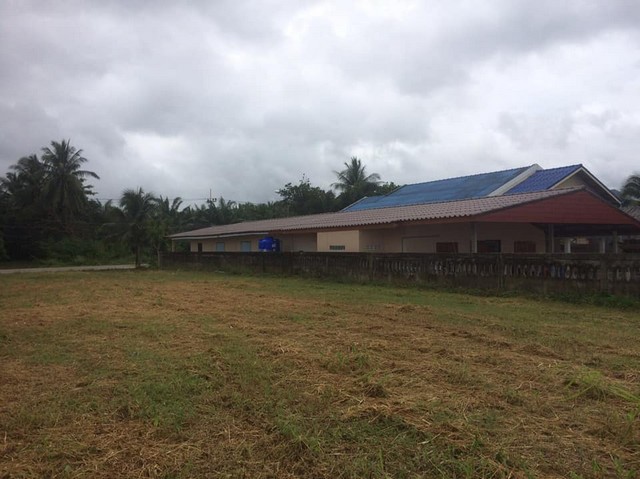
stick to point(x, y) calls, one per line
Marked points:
point(545, 273)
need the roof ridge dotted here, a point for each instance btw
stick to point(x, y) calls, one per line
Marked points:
point(577, 165)
point(464, 176)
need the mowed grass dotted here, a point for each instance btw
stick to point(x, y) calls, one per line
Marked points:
point(176, 375)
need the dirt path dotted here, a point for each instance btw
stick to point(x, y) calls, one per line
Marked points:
point(106, 267)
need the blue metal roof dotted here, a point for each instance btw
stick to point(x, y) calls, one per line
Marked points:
point(464, 187)
point(544, 179)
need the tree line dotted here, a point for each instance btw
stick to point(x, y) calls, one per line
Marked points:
point(48, 210)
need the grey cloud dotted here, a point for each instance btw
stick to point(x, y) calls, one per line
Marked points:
point(527, 131)
point(242, 97)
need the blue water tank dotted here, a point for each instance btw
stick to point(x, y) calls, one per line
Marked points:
point(269, 244)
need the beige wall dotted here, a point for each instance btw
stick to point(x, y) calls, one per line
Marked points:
point(375, 241)
point(510, 233)
point(423, 238)
point(349, 239)
point(575, 180)
point(403, 239)
point(300, 242)
point(230, 244)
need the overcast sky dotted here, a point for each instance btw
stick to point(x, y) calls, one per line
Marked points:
point(242, 97)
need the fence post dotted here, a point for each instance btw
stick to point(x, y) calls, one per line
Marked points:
point(501, 275)
point(605, 283)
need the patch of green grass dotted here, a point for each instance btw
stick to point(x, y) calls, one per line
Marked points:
point(354, 359)
point(328, 380)
point(592, 384)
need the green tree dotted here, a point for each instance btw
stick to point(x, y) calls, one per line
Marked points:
point(137, 210)
point(631, 190)
point(22, 208)
point(65, 189)
point(168, 212)
point(304, 199)
point(260, 211)
point(165, 220)
point(386, 188)
point(24, 184)
point(3, 251)
point(354, 182)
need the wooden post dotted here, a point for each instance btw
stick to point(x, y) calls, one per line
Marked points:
point(615, 242)
point(552, 240)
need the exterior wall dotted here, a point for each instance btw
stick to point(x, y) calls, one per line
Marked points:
point(424, 238)
point(230, 244)
point(331, 241)
point(575, 180)
point(301, 242)
point(403, 239)
point(508, 234)
point(376, 241)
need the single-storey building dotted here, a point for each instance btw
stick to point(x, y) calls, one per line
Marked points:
point(520, 210)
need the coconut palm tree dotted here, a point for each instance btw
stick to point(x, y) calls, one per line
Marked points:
point(166, 220)
point(168, 211)
point(25, 183)
point(137, 210)
point(354, 183)
point(631, 190)
point(65, 189)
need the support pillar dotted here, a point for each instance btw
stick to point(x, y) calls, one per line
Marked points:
point(615, 242)
point(552, 240)
point(602, 245)
point(567, 245)
point(474, 238)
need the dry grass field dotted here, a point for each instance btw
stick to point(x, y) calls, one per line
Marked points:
point(176, 375)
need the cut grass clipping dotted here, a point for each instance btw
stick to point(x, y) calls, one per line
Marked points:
point(178, 375)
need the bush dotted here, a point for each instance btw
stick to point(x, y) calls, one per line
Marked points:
point(76, 251)
point(3, 252)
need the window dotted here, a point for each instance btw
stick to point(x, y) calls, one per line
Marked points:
point(245, 246)
point(444, 247)
point(524, 246)
point(489, 246)
point(220, 246)
point(337, 247)
point(199, 247)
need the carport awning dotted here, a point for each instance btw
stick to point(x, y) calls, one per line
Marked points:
point(576, 214)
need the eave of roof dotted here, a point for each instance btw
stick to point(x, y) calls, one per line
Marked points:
point(633, 211)
point(382, 216)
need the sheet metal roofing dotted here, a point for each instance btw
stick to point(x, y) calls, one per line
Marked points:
point(544, 179)
point(463, 187)
point(345, 219)
point(633, 211)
